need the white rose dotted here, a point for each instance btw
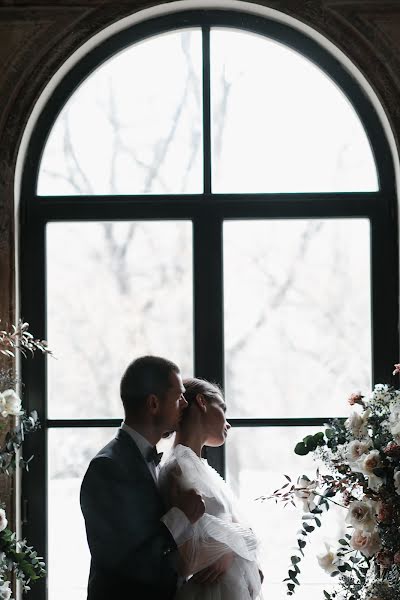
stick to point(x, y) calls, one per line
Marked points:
point(13, 404)
point(3, 405)
point(372, 461)
point(358, 424)
point(361, 515)
point(3, 519)
point(356, 449)
point(394, 422)
point(396, 477)
point(305, 492)
point(327, 560)
point(5, 591)
point(365, 542)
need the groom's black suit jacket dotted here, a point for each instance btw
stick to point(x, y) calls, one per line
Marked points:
point(133, 552)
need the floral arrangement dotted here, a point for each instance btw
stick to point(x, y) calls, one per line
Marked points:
point(16, 557)
point(361, 456)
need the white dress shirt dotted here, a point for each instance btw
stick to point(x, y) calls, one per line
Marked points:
point(175, 519)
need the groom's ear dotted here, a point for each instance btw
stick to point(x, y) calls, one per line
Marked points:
point(201, 402)
point(152, 403)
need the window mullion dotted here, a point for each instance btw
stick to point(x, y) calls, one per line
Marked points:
point(206, 112)
point(384, 292)
point(208, 309)
point(33, 310)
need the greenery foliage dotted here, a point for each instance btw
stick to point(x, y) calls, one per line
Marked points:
point(361, 456)
point(17, 558)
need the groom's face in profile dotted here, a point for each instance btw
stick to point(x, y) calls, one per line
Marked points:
point(173, 404)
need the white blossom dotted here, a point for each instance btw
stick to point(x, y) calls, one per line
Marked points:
point(5, 590)
point(3, 519)
point(381, 393)
point(393, 422)
point(396, 477)
point(328, 560)
point(10, 404)
point(358, 424)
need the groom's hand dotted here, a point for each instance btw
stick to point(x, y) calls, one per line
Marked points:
point(189, 502)
point(212, 573)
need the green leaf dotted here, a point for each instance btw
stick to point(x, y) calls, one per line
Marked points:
point(300, 449)
point(293, 577)
point(319, 438)
point(295, 559)
point(310, 443)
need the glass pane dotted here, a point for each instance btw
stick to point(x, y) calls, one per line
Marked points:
point(133, 126)
point(69, 452)
point(279, 124)
point(120, 290)
point(297, 316)
point(257, 459)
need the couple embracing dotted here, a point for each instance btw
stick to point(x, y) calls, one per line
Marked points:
point(167, 532)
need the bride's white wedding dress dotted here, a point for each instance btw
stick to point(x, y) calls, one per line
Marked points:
point(216, 533)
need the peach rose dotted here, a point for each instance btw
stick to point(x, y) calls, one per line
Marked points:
point(356, 398)
point(356, 449)
point(370, 462)
point(365, 542)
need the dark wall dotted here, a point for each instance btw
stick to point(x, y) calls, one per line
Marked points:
point(37, 37)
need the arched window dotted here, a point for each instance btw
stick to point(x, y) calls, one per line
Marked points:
point(213, 187)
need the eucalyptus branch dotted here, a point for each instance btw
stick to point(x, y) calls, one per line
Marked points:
point(20, 339)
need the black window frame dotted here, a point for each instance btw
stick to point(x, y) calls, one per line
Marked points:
point(207, 211)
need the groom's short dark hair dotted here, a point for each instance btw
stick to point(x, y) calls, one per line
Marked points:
point(144, 376)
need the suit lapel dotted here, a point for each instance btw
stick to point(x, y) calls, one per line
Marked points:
point(132, 456)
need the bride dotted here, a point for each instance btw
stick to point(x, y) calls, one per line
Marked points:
point(220, 559)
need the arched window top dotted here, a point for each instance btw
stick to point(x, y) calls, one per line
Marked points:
point(273, 121)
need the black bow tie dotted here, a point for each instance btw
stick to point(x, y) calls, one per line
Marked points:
point(154, 456)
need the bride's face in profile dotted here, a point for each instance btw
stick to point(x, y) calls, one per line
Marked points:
point(215, 424)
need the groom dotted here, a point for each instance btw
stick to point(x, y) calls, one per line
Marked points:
point(132, 539)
